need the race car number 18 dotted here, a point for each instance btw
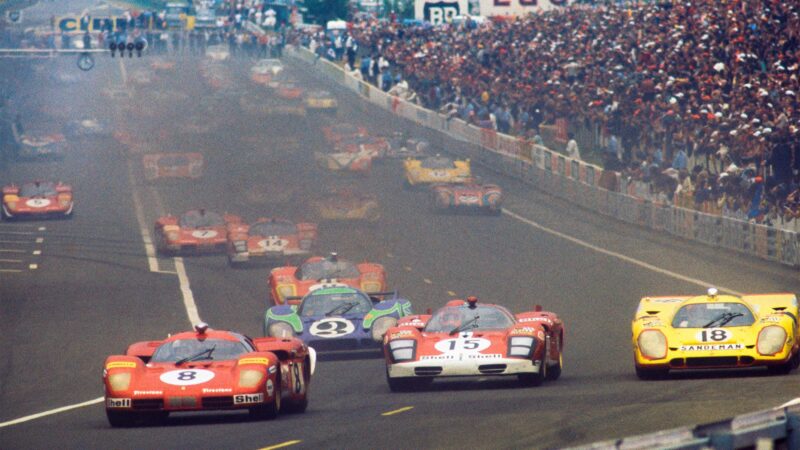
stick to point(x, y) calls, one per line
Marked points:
point(713, 335)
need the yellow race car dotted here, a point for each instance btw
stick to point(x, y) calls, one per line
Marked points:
point(435, 169)
point(715, 331)
point(321, 101)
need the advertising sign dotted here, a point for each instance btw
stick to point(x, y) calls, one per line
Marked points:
point(490, 8)
point(438, 12)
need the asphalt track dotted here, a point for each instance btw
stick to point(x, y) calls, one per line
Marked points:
point(92, 291)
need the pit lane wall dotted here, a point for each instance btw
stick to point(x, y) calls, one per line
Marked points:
point(583, 184)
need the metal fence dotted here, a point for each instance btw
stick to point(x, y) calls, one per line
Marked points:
point(584, 184)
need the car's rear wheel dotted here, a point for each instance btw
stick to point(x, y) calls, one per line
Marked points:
point(269, 411)
point(651, 374)
point(121, 419)
point(553, 372)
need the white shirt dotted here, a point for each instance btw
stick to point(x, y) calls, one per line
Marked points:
point(572, 150)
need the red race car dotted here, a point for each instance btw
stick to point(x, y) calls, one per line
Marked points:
point(207, 370)
point(269, 239)
point(467, 338)
point(196, 231)
point(289, 284)
point(172, 165)
point(470, 196)
point(37, 199)
point(337, 132)
point(377, 147)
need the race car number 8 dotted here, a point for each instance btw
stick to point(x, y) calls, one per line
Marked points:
point(713, 335)
point(331, 328)
point(186, 377)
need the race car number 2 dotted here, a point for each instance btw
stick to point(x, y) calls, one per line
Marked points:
point(713, 335)
point(187, 377)
point(332, 327)
point(204, 234)
point(462, 344)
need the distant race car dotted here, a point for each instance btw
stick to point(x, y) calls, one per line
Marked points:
point(337, 318)
point(339, 131)
point(35, 146)
point(468, 338)
point(269, 106)
point(162, 64)
point(37, 200)
point(402, 148)
point(321, 101)
point(196, 231)
point(356, 162)
point(469, 196)
point(270, 239)
point(87, 128)
point(715, 331)
point(207, 370)
point(289, 284)
point(435, 169)
point(289, 91)
point(375, 146)
point(172, 165)
point(219, 52)
point(264, 70)
point(347, 205)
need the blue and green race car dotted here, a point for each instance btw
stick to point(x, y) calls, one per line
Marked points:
point(338, 318)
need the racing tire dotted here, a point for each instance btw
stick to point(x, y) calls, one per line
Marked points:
point(270, 411)
point(533, 379)
point(407, 384)
point(785, 368)
point(122, 419)
point(553, 372)
point(651, 374)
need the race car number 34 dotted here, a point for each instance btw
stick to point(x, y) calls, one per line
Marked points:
point(332, 327)
point(187, 377)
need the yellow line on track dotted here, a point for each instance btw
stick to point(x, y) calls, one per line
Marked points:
point(451, 294)
point(398, 411)
point(282, 445)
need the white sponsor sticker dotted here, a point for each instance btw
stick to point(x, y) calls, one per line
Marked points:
point(332, 327)
point(241, 399)
point(270, 388)
point(187, 377)
point(273, 244)
point(148, 393)
point(204, 234)
point(38, 202)
point(713, 335)
point(469, 199)
point(710, 347)
point(463, 344)
point(329, 283)
point(118, 402)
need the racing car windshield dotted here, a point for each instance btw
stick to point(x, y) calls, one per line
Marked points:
point(318, 270)
point(37, 190)
point(704, 315)
point(438, 162)
point(272, 229)
point(332, 304)
point(464, 318)
point(198, 219)
point(207, 349)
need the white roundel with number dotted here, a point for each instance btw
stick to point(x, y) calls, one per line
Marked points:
point(187, 377)
point(713, 335)
point(38, 202)
point(204, 234)
point(332, 327)
point(273, 244)
point(463, 344)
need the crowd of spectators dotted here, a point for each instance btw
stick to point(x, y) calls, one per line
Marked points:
point(665, 83)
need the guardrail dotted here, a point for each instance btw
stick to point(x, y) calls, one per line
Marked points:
point(761, 429)
point(584, 184)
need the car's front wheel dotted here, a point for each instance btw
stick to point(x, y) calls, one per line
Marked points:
point(122, 419)
point(269, 411)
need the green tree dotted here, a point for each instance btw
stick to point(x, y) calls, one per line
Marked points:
point(325, 10)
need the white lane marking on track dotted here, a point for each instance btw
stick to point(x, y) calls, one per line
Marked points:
point(51, 412)
point(10, 270)
point(19, 233)
point(9, 250)
point(620, 256)
point(186, 291)
point(427, 281)
point(11, 260)
point(39, 240)
point(15, 242)
point(42, 228)
point(149, 249)
point(33, 266)
point(37, 252)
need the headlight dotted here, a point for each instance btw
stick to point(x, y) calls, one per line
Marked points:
point(371, 286)
point(64, 200)
point(250, 378)
point(173, 235)
point(402, 349)
point(380, 326)
point(11, 205)
point(520, 346)
point(119, 381)
point(771, 340)
point(285, 291)
point(280, 329)
point(652, 344)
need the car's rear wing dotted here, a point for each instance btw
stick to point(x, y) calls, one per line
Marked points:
point(767, 303)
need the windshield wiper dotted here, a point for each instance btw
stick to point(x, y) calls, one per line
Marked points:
point(344, 307)
point(471, 323)
point(205, 354)
point(723, 319)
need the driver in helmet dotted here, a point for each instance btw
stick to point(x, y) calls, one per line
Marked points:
point(450, 318)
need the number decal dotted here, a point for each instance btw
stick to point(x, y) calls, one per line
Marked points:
point(187, 377)
point(204, 234)
point(38, 202)
point(297, 370)
point(273, 243)
point(714, 335)
point(332, 327)
point(463, 344)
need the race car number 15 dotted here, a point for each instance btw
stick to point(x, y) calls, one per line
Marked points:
point(462, 345)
